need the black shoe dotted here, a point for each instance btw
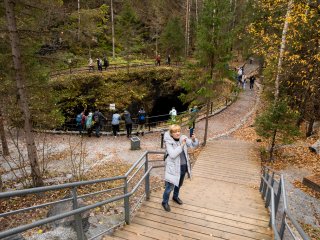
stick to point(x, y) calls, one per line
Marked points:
point(166, 207)
point(177, 200)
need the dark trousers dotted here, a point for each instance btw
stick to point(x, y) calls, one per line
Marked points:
point(89, 130)
point(115, 129)
point(129, 129)
point(97, 127)
point(169, 186)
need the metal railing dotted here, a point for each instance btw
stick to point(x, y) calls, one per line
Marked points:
point(142, 163)
point(153, 123)
point(272, 188)
point(111, 67)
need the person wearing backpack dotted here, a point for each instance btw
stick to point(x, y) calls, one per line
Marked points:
point(141, 121)
point(115, 123)
point(128, 122)
point(98, 119)
point(80, 121)
point(252, 80)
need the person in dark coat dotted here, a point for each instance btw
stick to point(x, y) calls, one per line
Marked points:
point(142, 118)
point(105, 63)
point(128, 122)
point(98, 119)
point(252, 80)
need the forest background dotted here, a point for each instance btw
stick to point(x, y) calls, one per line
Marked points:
point(204, 36)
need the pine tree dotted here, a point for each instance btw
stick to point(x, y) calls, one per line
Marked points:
point(213, 49)
point(277, 124)
point(172, 38)
point(128, 32)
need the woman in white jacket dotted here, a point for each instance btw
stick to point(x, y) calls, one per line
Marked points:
point(177, 163)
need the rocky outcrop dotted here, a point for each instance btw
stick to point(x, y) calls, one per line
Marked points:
point(315, 147)
point(69, 221)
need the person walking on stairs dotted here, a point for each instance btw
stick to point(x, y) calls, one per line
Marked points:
point(177, 163)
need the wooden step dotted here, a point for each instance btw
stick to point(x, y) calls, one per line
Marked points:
point(198, 205)
point(221, 224)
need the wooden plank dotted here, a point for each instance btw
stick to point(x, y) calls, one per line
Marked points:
point(141, 229)
point(208, 222)
point(233, 219)
point(238, 216)
point(226, 174)
point(215, 203)
point(131, 235)
point(182, 226)
point(175, 232)
point(107, 237)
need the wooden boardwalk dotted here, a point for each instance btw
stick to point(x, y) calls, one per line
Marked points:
point(221, 202)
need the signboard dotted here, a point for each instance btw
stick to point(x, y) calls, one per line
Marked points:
point(112, 106)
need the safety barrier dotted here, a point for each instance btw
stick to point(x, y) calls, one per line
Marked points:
point(272, 188)
point(143, 163)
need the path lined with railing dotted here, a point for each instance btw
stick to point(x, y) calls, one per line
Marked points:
point(221, 202)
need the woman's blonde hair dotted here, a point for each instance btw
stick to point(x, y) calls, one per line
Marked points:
point(174, 128)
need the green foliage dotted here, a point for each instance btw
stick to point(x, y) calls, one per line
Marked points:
point(213, 35)
point(128, 31)
point(278, 118)
point(213, 53)
point(172, 38)
point(127, 91)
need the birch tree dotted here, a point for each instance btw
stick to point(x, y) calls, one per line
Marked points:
point(282, 50)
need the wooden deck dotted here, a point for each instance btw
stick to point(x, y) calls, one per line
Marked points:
point(221, 202)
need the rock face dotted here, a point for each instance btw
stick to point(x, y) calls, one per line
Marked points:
point(315, 147)
point(69, 221)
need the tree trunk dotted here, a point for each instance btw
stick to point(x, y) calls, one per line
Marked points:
point(78, 20)
point(1, 184)
point(282, 50)
point(310, 128)
point(187, 33)
point(207, 124)
point(197, 17)
point(5, 149)
point(273, 143)
point(22, 93)
point(112, 29)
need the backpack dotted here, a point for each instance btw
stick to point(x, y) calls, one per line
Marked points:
point(96, 118)
point(79, 118)
point(142, 117)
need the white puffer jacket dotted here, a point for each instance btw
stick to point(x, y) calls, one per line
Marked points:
point(174, 149)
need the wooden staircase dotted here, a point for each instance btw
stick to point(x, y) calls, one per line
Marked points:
point(221, 202)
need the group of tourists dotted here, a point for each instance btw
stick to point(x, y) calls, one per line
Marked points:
point(95, 121)
point(242, 79)
point(90, 122)
point(100, 64)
